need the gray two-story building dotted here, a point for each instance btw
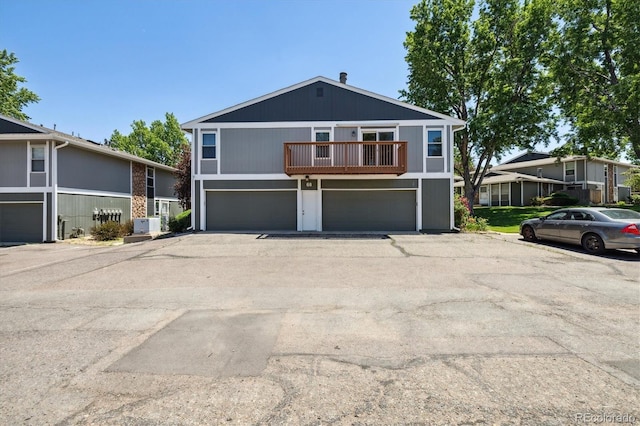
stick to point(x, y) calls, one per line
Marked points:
point(53, 184)
point(516, 182)
point(323, 155)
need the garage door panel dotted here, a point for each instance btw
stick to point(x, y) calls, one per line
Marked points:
point(21, 223)
point(251, 210)
point(369, 210)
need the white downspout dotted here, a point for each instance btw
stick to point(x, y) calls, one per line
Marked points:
point(54, 193)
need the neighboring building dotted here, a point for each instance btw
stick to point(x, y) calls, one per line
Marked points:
point(323, 156)
point(535, 174)
point(51, 181)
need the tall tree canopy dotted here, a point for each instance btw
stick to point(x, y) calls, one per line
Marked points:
point(162, 142)
point(182, 187)
point(487, 71)
point(596, 65)
point(13, 98)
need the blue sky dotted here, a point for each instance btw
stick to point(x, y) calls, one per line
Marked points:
point(99, 65)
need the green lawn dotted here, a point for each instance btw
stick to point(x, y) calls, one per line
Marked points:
point(507, 219)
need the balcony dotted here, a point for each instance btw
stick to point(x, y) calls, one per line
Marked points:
point(344, 158)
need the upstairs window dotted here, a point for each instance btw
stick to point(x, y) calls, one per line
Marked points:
point(322, 151)
point(570, 170)
point(37, 158)
point(434, 143)
point(209, 145)
point(151, 178)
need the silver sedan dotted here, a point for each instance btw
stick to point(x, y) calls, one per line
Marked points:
point(594, 228)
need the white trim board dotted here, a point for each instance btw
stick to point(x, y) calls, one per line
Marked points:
point(75, 191)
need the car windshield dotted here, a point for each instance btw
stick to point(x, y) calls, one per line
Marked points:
point(621, 214)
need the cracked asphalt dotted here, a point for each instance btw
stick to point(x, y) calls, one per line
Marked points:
point(451, 329)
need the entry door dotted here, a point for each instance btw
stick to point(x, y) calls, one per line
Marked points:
point(164, 215)
point(309, 210)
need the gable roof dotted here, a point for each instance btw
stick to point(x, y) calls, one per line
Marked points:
point(528, 156)
point(13, 129)
point(321, 99)
point(505, 177)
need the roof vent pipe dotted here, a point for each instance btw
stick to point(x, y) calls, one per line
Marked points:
point(343, 77)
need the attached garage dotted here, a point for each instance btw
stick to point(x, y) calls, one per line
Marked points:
point(382, 210)
point(251, 210)
point(21, 222)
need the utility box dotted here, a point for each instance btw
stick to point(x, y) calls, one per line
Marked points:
point(147, 225)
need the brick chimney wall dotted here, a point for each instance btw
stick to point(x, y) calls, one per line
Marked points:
point(139, 191)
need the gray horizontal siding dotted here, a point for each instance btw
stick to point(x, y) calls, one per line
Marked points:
point(335, 104)
point(13, 164)
point(257, 150)
point(82, 169)
point(250, 184)
point(434, 165)
point(164, 183)
point(369, 184)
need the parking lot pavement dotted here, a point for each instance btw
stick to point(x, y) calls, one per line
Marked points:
point(237, 329)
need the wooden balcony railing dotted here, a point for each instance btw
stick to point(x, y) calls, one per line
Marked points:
point(369, 157)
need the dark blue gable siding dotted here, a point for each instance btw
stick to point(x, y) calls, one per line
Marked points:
point(7, 127)
point(529, 156)
point(320, 101)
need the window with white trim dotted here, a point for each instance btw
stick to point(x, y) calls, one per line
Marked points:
point(209, 142)
point(37, 158)
point(322, 151)
point(151, 178)
point(570, 170)
point(434, 143)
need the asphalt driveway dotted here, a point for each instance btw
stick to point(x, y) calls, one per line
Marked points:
point(236, 329)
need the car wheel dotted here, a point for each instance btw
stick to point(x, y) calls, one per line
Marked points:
point(593, 243)
point(528, 233)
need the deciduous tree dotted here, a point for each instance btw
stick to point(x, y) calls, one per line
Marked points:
point(487, 71)
point(162, 142)
point(182, 187)
point(12, 97)
point(596, 65)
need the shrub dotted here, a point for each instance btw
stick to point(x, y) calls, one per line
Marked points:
point(127, 228)
point(560, 199)
point(475, 224)
point(463, 218)
point(621, 203)
point(460, 210)
point(181, 222)
point(635, 199)
point(107, 231)
point(537, 201)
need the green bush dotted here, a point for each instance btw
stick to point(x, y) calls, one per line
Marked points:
point(635, 199)
point(107, 231)
point(181, 222)
point(475, 224)
point(127, 228)
point(560, 199)
point(537, 201)
point(460, 210)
